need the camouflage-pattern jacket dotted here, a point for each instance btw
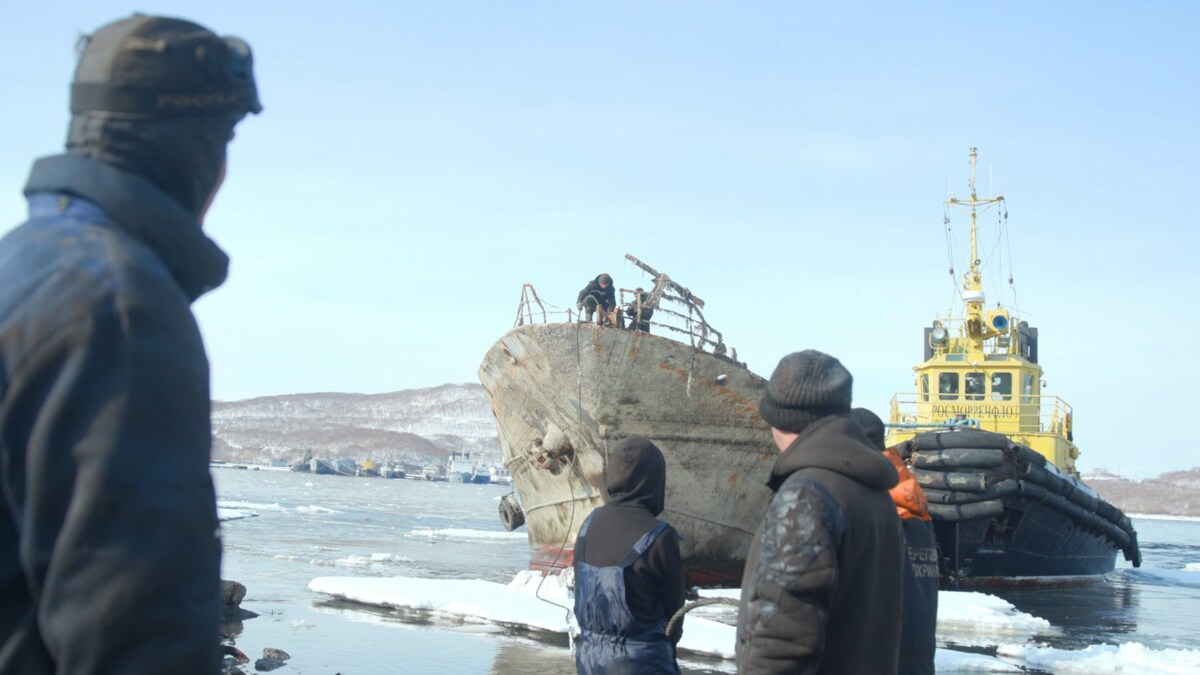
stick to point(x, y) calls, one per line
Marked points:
point(821, 590)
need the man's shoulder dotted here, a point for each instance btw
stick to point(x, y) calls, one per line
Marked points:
point(55, 271)
point(86, 255)
point(806, 491)
point(846, 493)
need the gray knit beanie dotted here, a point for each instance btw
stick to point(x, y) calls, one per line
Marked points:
point(805, 387)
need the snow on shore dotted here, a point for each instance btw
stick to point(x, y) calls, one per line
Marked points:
point(537, 603)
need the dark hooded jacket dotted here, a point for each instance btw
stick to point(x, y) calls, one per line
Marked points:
point(918, 629)
point(820, 590)
point(109, 556)
point(605, 297)
point(636, 480)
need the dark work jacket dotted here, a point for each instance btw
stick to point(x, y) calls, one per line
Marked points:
point(822, 587)
point(647, 312)
point(654, 583)
point(918, 635)
point(918, 632)
point(109, 555)
point(605, 297)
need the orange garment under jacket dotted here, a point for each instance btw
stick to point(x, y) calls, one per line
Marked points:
point(908, 496)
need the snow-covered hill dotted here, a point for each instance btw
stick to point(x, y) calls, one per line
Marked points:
point(412, 423)
point(1175, 493)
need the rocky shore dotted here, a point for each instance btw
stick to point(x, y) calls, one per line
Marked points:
point(233, 659)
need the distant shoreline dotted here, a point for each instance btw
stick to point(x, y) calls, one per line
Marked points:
point(1163, 516)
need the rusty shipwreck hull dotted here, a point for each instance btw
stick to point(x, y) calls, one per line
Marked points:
point(562, 393)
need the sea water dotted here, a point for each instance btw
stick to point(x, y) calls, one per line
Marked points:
point(295, 527)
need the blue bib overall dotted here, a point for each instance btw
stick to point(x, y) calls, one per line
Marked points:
point(612, 640)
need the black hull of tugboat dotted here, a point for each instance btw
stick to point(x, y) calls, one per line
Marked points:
point(1027, 544)
point(1003, 516)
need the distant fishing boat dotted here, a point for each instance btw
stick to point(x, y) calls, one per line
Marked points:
point(463, 470)
point(994, 454)
point(391, 471)
point(500, 475)
point(563, 390)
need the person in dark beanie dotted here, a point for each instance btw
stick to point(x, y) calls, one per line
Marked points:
point(918, 630)
point(109, 549)
point(628, 570)
point(599, 298)
point(820, 593)
point(640, 311)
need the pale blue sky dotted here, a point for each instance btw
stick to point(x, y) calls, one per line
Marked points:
point(417, 162)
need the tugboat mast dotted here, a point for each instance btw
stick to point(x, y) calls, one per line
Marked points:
point(973, 295)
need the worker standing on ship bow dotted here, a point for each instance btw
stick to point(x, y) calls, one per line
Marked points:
point(628, 570)
point(598, 297)
point(639, 311)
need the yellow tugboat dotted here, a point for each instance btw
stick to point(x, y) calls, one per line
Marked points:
point(994, 454)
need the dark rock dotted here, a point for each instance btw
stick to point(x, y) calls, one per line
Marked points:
point(229, 654)
point(276, 654)
point(235, 615)
point(232, 593)
point(266, 665)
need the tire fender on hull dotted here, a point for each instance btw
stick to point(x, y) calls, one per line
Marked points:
point(511, 515)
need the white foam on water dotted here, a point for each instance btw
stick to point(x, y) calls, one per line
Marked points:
point(459, 534)
point(313, 508)
point(255, 506)
point(1189, 576)
point(233, 514)
point(375, 561)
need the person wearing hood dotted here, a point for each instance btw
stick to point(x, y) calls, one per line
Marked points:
point(629, 578)
point(820, 588)
point(109, 543)
point(599, 298)
point(918, 629)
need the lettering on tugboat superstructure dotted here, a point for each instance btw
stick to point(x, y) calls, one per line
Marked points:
point(976, 409)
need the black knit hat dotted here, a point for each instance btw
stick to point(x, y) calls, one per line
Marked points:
point(805, 387)
point(152, 66)
point(870, 423)
point(158, 98)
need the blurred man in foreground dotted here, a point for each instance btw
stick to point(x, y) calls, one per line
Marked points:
point(109, 550)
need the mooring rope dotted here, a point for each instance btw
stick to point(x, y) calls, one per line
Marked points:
point(702, 602)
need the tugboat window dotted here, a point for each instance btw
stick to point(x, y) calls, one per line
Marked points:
point(975, 386)
point(1001, 386)
point(925, 387)
point(1027, 388)
point(948, 386)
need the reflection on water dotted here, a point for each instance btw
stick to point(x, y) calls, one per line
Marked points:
point(523, 656)
point(1086, 614)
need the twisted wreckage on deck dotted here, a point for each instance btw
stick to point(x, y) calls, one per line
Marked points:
point(563, 391)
